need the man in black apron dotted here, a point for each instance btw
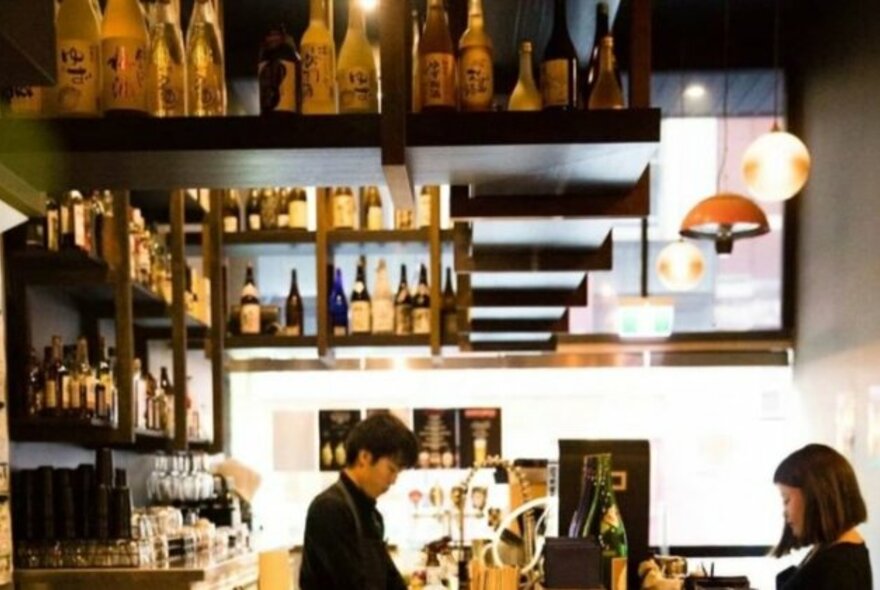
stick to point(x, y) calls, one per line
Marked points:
point(344, 546)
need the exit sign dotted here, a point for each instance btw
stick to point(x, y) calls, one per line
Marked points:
point(645, 317)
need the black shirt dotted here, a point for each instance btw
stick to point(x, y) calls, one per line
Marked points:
point(332, 558)
point(844, 566)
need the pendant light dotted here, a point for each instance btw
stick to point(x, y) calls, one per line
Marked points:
point(724, 217)
point(776, 166)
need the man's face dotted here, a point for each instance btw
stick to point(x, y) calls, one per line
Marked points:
point(376, 476)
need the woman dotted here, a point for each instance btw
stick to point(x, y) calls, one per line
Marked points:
point(822, 506)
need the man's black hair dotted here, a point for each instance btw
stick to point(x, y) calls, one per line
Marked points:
point(383, 435)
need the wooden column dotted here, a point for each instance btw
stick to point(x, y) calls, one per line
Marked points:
point(321, 275)
point(220, 395)
point(640, 55)
point(120, 262)
point(178, 316)
point(435, 265)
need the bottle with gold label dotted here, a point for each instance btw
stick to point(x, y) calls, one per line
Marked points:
point(166, 75)
point(371, 208)
point(204, 62)
point(606, 92)
point(356, 71)
point(318, 64)
point(78, 47)
point(559, 66)
point(342, 206)
point(416, 77)
point(437, 61)
point(525, 95)
point(278, 73)
point(298, 209)
point(475, 79)
point(26, 102)
point(124, 53)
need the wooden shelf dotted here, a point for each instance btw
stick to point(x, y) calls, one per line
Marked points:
point(269, 341)
point(387, 241)
point(278, 242)
point(39, 429)
point(379, 340)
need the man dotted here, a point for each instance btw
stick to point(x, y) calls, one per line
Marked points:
point(344, 545)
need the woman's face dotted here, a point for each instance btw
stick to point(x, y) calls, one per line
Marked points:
point(793, 508)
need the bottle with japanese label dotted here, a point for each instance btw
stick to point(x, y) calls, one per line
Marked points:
point(278, 73)
point(253, 212)
point(26, 102)
point(371, 208)
point(525, 95)
point(360, 301)
point(423, 205)
point(475, 79)
point(166, 74)
point(421, 305)
point(338, 307)
point(124, 53)
point(356, 71)
point(559, 66)
point(298, 210)
point(294, 309)
point(204, 63)
point(231, 212)
point(318, 64)
point(437, 61)
point(78, 47)
point(383, 302)
point(250, 304)
point(403, 319)
point(342, 205)
point(606, 91)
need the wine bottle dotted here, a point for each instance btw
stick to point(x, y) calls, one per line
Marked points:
point(371, 208)
point(231, 211)
point(250, 304)
point(383, 302)
point(59, 376)
point(421, 305)
point(604, 523)
point(356, 72)
point(360, 301)
point(476, 81)
point(204, 62)
point(602, 29)
point(253, 211)
point(606, 92)
point(437, 61)
point(78, 47)
point(525, 95)
point(124, 51)
point(77, 220)
point(588, 499)
point(416, 76)
point(342, 204)
point(338, 307)
point(104, 384)
point(450, 315)
point(403, 313)
point(424, 205)
point(53, 225)
point(87, 402)
point(269, 208)
point(282, 208)
point(294, 309)
point(278, 73)
point(297, 209)
point(36, 392)
point(559, 67)
point(166, 74)
point(318, 64)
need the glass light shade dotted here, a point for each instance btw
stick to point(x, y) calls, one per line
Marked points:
point(680, 266)
point(723, 218)
point(776, 166)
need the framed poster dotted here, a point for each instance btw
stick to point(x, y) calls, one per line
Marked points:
point(480, 434)
point(436, 432)
point(333, 428)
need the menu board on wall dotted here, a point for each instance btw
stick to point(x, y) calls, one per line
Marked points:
point(480, 434)
point(436, 431)
point(333, 428)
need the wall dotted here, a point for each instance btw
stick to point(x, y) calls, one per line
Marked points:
point(836, 81)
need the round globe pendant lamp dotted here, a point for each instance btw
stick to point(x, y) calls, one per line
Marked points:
point(680, 266)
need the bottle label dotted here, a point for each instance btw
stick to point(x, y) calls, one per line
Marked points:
point(51, 394)
point(343, 211)
point(403, 319)
point(124, 74)
point(26, 101)
point(254, 221)
point(77, 90)
point(52, 230)
point(318, 92)
point(423, 210)
point(250, 318)
point(421, 320)
point(277, 86)
point(476, 79)
point(360, 317)
point(79, 226)
point(383, 316)
point(230, 224)
point(205, 85)
point(298, 212)
point(166, 85)
point(294, 330)
point(374, 218)
point(283, 221)
point(438, 80)
point(65, 392)
point(555, 82)
point(66, 228)
point(91, 400)
point(354, 90)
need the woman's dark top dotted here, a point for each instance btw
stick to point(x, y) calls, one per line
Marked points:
point(844, 566)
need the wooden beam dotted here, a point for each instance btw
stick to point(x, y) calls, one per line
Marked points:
point(521, 325)
point(513, 259)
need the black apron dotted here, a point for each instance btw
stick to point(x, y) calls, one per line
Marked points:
point(374, 554)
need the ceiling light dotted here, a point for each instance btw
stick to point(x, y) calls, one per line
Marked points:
point(680, 266)
point(723, 218)
point(369, 5)
point(776, 166)
point(694, 92)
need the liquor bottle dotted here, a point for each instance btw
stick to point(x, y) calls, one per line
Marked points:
point(78, 46)
point(77, 220)
point(338, 307)
point(253, 215)
point(421, 305)
point(166, 393)
point(294, 308)
point(342, 204)
point(437, 61)
point(268, 208)
point(360, 301)
point(424, 205)
point(86, 380)
point(139, 393)
point(204, 63)
point(95, 215)
point(59, 376)
point(50, 382)
point(166, 74)
point(606, 92)
point(602, 29)
point(356, 71)
point(416, 76)
point(525, 95)
point(297, 209)
point(476, 81)
point(104, 386)
point(559, 67)
point(278, 73)
point(282, 212)
point(231, 212)
point(318, 64)
point(36, 392)
point(124, 51)
point(53, 225)
point(70, 395)
point(403, 309)
point(250, 304)
point(65, 225)
point(383, 302)
point(371, 208)
point(588, 499)
point(449, 313)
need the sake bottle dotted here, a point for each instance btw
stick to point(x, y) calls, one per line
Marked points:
point(602, 30)
point(124, 53)
point(78, 46)
point(318, 64)
point(204, 62)
point(356, 73)
point(559, 66)
point(437, 61)
point(475, 79)
point(383, 302)
point(166, 75)
point(606, 92)
point(278, 73)
point(525, 95)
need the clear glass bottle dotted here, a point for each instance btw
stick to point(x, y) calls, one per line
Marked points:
point(124, 52)
point(437, 61)
point(318, 64)
point(356, 72)
point(78, 47)
point(525, 95)
point(475, 76)
point(204, 63)
point(166, 74)
point(606, 92)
